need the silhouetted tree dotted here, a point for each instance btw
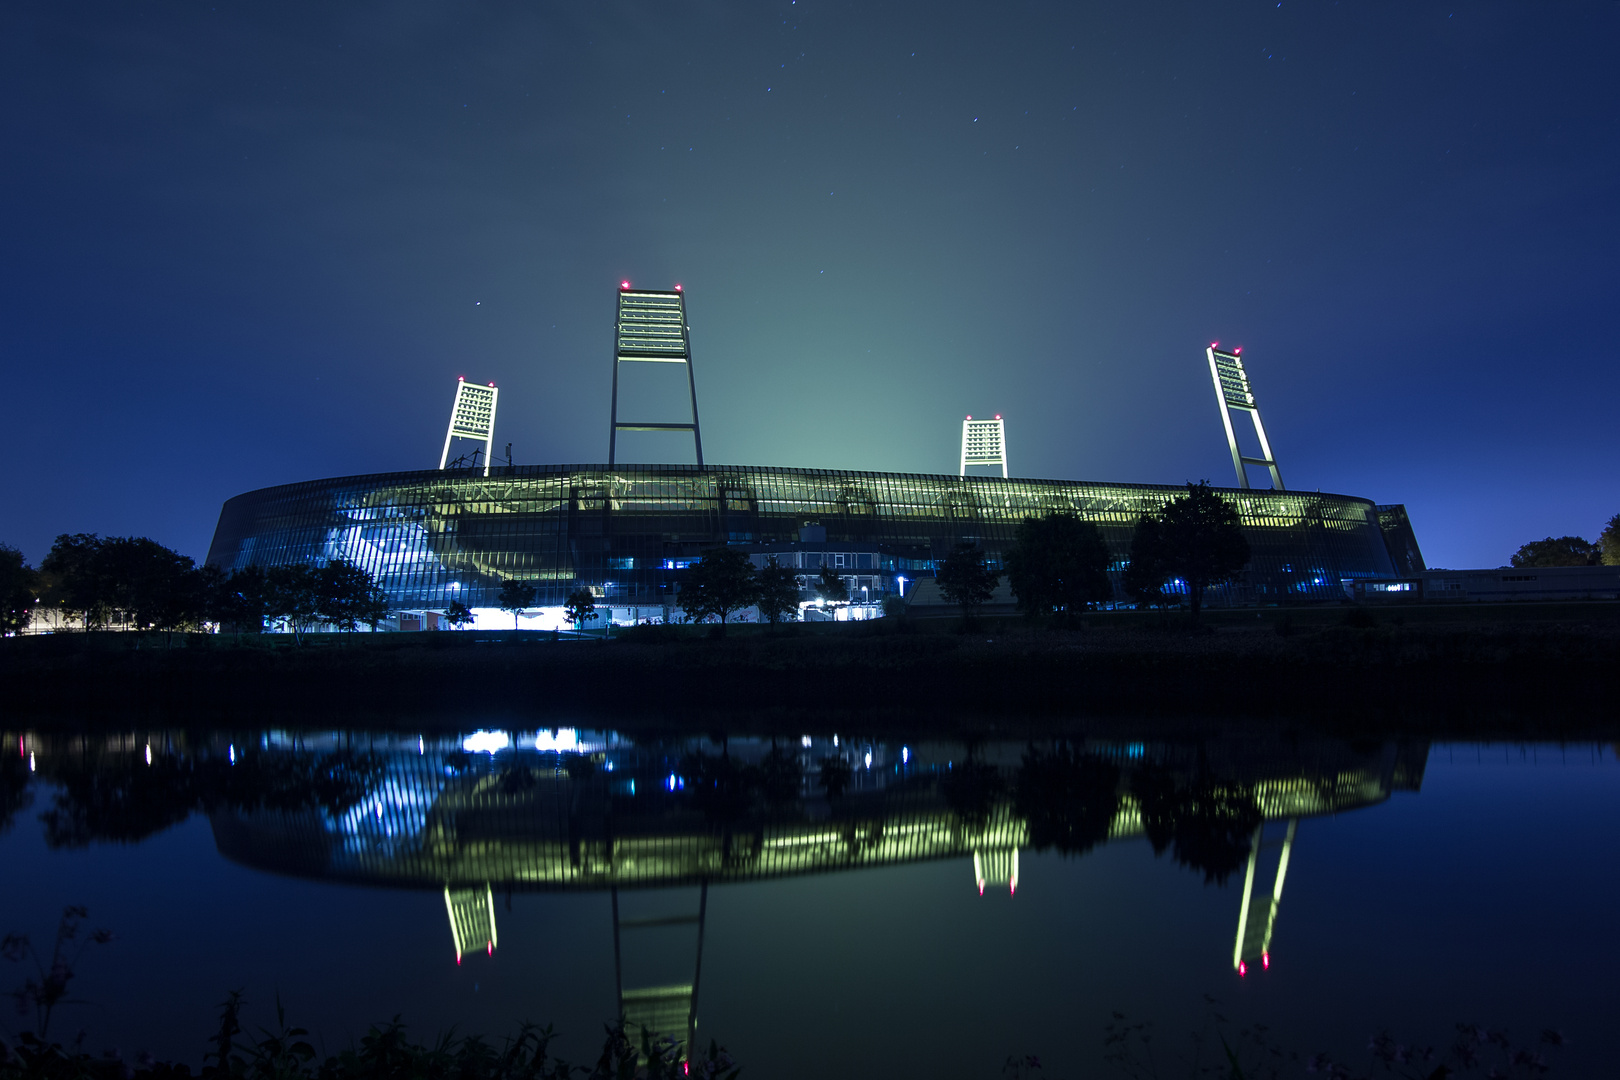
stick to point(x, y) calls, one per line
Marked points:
point(780, 776)
point(1058, 564)
point(128, 579)
point(14, 793)
point(1209, 826)
point(778, 592)
point(835, 776)
point(122, 799)
point(723, 790)
point(238, 601)
point(831, 587)
point(1609, 542)
point(1562, 551)
point(516, 596)
point(718, 584)
point(19, 591)
point(347, 595)
point(966, 579)
point(292, 596)
point(1203, 541)
point(970, 788)
point(457, 615)
point(580, 607)
point(77, 587)
point(1069, 800)
point(1149, 567)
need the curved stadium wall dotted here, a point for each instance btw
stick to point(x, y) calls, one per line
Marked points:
point(628, 532)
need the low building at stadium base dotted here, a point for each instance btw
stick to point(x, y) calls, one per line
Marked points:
point(629, 532)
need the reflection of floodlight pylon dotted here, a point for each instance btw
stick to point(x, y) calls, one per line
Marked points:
point(1232, 391)
point(996, 866)
point(661, 1010)
point(1257, 918)
point(652, 329)
point(472, 918)
point(984, 442)
point(472, 417)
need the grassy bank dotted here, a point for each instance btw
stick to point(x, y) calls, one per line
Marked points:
point(1519, 670)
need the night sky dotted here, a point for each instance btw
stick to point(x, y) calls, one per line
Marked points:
point(257, 243)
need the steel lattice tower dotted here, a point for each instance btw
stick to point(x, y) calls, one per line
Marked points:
point(984, 442)
point(1232, 391)
point(651, 328)
point(472, 417)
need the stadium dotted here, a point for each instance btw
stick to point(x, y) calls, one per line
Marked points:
point(628, 532)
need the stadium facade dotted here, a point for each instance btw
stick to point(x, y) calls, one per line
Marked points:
point(629, 532)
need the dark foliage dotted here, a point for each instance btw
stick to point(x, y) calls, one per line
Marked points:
point(19, 589)
point(1058, 564)
point(778, 592)
point(46, 988)
point(14, 789)
point(1609, 542)
point(516, 596)
point(386, 1052)
point(1068, 799)
point(831, 586)
point(966, 579)
point(971, 788)
point(1149, 567)
point(123, 799)
point(1209, 826)
point(125, 579)
point(580, 607)
point(1202, 541)
point(1562, 551)
point(721, 582)
point(723, 790)
point(836, 774)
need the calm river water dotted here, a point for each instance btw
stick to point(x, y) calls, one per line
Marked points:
point(833, 903)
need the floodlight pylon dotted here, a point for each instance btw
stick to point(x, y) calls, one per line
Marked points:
point(1234, 393)
point(984, 442)
point(651, 328)
point(472, 417)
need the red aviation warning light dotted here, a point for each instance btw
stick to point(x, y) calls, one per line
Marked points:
point(677, 287)
point(1265, 960)
point(624, 285)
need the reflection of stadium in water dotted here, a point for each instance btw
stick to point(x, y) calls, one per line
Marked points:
point(494, 813)
point(575, 810)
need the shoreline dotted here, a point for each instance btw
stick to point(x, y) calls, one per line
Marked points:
point(1553, 672)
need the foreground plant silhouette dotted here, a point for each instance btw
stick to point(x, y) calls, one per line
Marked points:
point(386, 1051)
point(44, 990)
point(1252, 1053)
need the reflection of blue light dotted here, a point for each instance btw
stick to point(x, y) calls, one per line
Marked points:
point(905, 753)
point(563, 739)
point(1135, 749)
point(486, 742)
point(632, 787)
point(607, 766)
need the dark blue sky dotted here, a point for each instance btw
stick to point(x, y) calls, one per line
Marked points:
point(256, 244)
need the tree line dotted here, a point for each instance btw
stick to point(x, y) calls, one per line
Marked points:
point(1058, 564)
point(131, 582)
point(1573, 550)
point(717, 586)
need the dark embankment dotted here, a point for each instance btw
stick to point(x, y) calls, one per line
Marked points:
point(1548, 672)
